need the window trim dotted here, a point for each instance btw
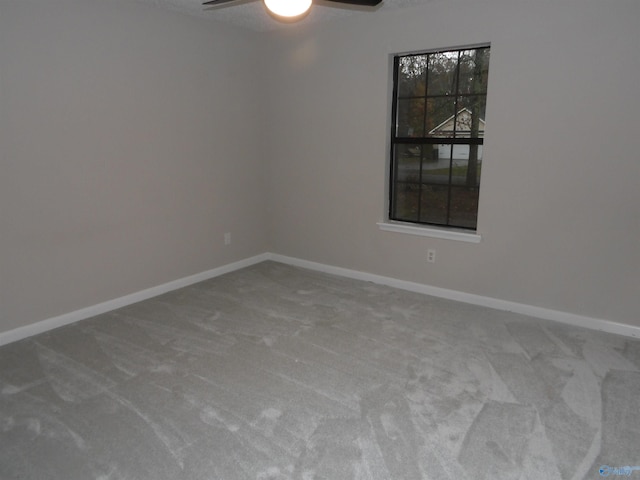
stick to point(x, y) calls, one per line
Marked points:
point(463, 234)
point(433, 231)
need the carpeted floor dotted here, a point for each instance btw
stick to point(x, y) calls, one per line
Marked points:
point(275, 372)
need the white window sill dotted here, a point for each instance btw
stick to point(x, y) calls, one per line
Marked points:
point(433, 232)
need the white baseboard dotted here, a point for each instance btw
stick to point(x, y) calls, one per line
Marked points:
point(84, 313)
point(533, 311)
point(539, 312)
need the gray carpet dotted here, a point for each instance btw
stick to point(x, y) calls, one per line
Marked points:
point(275, 372)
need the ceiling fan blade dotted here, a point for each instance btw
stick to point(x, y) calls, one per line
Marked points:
point(217, 2)
point(365, 3)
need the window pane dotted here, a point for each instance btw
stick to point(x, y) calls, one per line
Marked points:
point(442, 73)
point(440, 114)
point(466, 165)
point(430, 154)
point(407, 159)
point(437, 171)
point(410, 118)
point(474, 71)
point(433, 208)
point(411, 76)
point(470, 116)
point(464, 207)
point(405, 201)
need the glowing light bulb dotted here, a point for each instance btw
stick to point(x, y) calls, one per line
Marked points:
point(288, 9)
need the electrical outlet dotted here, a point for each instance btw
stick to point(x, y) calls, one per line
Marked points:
point(227, 238)
point(431, 255)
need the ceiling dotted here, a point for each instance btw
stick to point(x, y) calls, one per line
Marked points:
point(252, 14)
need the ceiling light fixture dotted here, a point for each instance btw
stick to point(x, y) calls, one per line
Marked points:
point(288, 9)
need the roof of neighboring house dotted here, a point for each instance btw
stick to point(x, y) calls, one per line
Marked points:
point(463, 123)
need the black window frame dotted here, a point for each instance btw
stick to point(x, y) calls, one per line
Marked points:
point(425, 141)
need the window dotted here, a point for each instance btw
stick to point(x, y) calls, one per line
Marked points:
point(439, 101)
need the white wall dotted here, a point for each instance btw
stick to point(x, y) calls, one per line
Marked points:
point(558, 215)
point(132, 138)
point(129, 143)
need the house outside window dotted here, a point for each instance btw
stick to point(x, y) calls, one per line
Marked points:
point(438, 124)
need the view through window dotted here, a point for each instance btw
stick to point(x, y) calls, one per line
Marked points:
point(439, 102)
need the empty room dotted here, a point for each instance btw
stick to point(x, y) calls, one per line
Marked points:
point(389, 239)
